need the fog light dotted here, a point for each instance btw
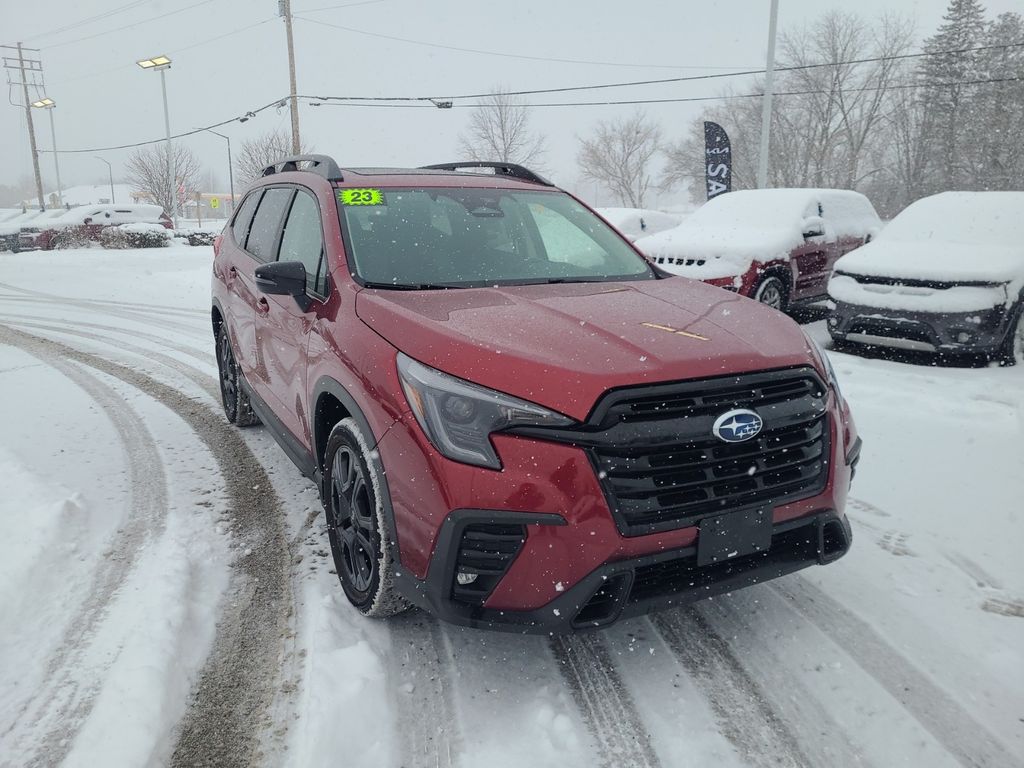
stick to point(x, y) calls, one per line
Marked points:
point(833, 321)
point(963, 337)
point(465, 578)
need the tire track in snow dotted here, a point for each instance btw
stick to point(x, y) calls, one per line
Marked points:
point(606, 705)
point(193, 352)
point(143, 316)
point(745, 716)
point(822, 739)
point(60, 697)
point(229, 711)
point(419, 674)
point(960, 734)
point(203, 380)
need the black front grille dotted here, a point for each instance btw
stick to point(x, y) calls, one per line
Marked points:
point(486, 550)
point(662, 467)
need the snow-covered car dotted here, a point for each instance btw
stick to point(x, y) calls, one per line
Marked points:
point(87, 222)
point(635, 223)
point(777, 246)
point(946, 275)
point(12, 226)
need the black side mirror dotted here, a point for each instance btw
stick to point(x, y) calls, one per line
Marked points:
point(284, 278)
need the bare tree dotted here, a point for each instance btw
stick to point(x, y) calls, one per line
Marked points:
point(256, 154)
point(499, 130)
point(146, 171)
point(618, 156)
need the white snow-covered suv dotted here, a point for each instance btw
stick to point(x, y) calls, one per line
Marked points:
point(946, 275)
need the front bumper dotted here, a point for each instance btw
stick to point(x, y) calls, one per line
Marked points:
point(624, 588)
point(980, 331)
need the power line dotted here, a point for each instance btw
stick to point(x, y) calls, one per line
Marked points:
point(281, 103)
point(645, 66)
point(345, 5)
point(171, 50)
point(668, 80)
point(425, 105)
point(90, 19)
point(129, 26)
point(498, 53)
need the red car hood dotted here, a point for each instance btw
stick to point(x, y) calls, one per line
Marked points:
point(562, 346)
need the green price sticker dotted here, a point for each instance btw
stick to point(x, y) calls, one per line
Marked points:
point(361, 197)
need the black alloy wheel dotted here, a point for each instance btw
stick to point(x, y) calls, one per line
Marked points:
point(356, 524)
point(354, 512)
point(234, 399)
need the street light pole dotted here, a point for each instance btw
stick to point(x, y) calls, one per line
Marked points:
point(49, 104)
point(231, 168)
point(162, 64)
point(766, 102)
point(110, 171)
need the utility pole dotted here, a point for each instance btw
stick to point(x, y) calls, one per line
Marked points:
point(25, 67)
point(766, 100)
point(284, 8)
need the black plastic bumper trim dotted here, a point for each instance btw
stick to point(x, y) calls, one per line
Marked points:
point(559, 615)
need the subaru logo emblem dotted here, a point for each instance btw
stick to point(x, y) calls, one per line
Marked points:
point(737, 426)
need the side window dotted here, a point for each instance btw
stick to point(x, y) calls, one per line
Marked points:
point(266, 224)
point(303, 241)
point(240, 226)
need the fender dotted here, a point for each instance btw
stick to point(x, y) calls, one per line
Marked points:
point(327, 385)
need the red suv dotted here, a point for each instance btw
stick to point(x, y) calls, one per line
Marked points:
point(513, 419)
point(777, 246)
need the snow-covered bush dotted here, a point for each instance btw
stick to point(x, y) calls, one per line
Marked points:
point(71, 237)
point(139, 235)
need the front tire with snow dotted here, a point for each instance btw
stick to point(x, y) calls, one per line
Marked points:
point(236, 403)
point(1013, 346)
point(356, 524)
point(772, 292)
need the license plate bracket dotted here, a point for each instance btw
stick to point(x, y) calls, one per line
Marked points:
point(734, 534)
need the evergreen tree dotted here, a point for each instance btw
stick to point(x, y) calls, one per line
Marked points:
point(950, 101)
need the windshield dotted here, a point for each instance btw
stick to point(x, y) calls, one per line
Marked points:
point(465, 237)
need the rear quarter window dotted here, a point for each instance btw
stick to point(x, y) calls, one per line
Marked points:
point(266, 224)
point(240, 225)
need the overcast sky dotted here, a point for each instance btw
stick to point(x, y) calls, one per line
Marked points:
point(104, 99)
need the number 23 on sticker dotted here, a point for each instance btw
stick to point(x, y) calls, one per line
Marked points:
point(361, 197)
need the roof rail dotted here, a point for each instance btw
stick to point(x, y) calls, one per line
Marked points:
point(500, 169)
point(322, 165)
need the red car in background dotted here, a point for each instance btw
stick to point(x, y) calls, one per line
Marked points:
point(513, 419)
point(777, 246)
point(88, 221)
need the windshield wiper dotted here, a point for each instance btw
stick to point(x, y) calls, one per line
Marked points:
point(412, 286)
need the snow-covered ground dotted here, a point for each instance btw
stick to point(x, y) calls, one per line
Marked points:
point(167, 593)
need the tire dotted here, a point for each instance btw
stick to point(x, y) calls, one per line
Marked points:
point(1012, 352)
point(772, 292)
point(236, 403)
point(356, 524)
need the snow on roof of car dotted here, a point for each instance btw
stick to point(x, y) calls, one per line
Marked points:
point(121, 213)
point(636, 222)
point(951, 236)
point(732, 229)
point(992, 218)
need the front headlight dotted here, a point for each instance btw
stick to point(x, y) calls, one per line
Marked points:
point(459, 417)
point(833, 380)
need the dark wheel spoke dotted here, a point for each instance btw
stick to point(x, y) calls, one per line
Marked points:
point(353, 520)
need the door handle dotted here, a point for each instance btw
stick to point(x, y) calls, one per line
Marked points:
point(233, 270)
point(262, 306)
